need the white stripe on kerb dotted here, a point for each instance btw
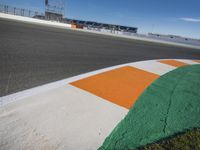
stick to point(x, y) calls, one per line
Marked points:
point(190, 62)
point(154, 67)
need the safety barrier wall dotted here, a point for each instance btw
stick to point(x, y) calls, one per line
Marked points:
point(26, 13)
point(19, 11)
point(35, 21)
point(181, 40)
point(174, 38)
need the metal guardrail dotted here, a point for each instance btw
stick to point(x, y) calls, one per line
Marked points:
point(19, 11)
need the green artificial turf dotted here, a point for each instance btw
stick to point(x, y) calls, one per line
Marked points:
point(169, 106)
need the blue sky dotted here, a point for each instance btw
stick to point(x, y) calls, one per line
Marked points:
point(179, 17)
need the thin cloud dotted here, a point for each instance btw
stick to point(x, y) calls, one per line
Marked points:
point(190, 19)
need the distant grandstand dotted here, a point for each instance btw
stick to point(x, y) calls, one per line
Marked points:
point(54, 10)
point(101, 26)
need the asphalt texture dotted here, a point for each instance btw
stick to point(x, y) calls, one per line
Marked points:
point(33, 55)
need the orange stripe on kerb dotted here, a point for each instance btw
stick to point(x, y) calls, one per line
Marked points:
point(174, 63)
point(197, 61)
point(121, 86)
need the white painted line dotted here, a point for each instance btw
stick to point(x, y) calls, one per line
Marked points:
point(65, 118)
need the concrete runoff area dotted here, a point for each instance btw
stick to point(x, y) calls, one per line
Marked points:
point(169, 106)
point(32, 55)
point(65, 118)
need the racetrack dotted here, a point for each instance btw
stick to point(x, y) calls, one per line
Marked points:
point(32, 55)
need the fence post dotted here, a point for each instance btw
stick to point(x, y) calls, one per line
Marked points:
point(22, 12)
point(36, 13)
point(5, 9)
point(14, 10)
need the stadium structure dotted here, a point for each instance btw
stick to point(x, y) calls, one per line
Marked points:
point(54, 10)
point(91, 25)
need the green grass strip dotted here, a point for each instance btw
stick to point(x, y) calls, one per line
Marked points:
point(190, 140)
point(169, 106)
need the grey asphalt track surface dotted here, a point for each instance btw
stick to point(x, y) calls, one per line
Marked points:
point(33, 55)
